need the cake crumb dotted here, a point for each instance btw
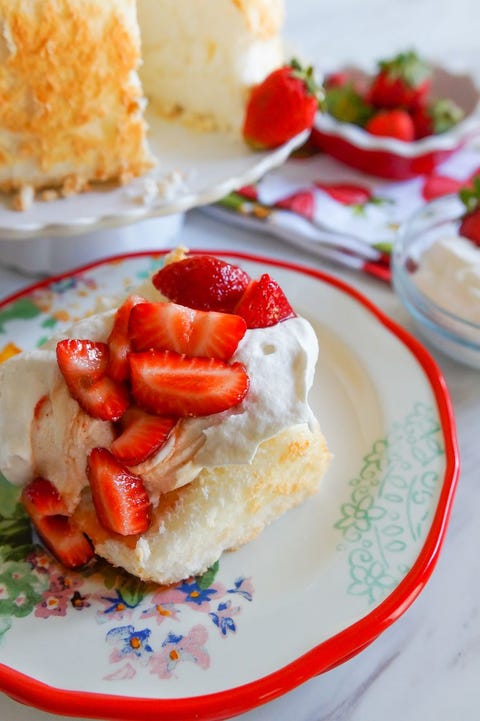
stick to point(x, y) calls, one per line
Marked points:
point(167, 187)
point(23, 200)
point(48, 195)
point(73, 185)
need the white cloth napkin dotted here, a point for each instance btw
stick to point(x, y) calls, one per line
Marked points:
point(320, 205)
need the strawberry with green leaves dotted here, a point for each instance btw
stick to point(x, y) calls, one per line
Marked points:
point(402, 81)
point(347, 104)
point(281, 106)
point(435, 117)
point(470, 222)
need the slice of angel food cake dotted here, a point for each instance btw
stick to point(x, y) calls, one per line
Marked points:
point(170, 428)
point(76, 77)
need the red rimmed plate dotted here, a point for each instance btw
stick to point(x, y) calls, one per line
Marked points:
point(314, 589)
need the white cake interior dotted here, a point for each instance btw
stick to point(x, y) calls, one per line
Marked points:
point(200, 58)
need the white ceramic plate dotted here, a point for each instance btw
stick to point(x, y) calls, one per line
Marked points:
point(211, 165)
point(315, 588)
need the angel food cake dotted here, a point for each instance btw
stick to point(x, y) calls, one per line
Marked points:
point(75, 76)
point(165, 431)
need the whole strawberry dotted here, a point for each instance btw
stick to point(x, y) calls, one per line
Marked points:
point(436, 117)
point(280, 107)
point(347, 104)
point(393, 124)
point(402, 81)
point(470, 222)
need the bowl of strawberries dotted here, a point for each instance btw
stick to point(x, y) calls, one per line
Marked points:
point(399, 122)
point(436, 272)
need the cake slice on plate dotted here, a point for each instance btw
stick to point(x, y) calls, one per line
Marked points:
point(169, 429)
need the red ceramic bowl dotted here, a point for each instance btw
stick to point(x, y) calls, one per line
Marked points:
point(397, 159)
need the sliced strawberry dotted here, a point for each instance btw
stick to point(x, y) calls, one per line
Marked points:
point(167, 383)
point(170, 326)
point(216, 335)
point(60, 534)
point(161, 326)
point(65, 540)
point(118, 340)
point(83, 364)
point(41, 498)
point(202, 282)
point(264, 303)
point(142, 435)
point(120, 499)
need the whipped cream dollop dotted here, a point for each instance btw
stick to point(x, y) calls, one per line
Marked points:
point(449, 274)
point(45, 432)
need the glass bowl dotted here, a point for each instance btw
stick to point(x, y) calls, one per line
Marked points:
point(397, 159)
point(434, 291)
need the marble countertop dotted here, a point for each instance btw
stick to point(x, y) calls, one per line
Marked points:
point(426, 666)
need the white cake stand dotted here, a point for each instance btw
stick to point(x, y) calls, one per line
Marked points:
point(194, 169)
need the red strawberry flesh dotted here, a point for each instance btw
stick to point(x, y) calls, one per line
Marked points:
point(167, 383)
point(141, 437)
point(83, 364)
point(470, 227)
point(280, 107)
point(41, 498)
point(120, 498)
point(401, 81)
point(203, 282)
point(396, 124)
point(118, 340)
point(264, 303)
point(60, 534)
point(170, 326)
point(161, 326)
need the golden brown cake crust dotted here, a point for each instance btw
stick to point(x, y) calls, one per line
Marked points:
point(264, 17)
point(69, 109)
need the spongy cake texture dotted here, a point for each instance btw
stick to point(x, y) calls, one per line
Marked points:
point(71, 102)
point(222, 509)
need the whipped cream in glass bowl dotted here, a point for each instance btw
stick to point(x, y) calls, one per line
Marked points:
point(436, 274)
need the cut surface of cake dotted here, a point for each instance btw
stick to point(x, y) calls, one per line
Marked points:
point(163, 433)
point(201, 59)
point(73, 104)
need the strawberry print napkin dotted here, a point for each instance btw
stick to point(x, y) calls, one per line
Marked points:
point(337, 213)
